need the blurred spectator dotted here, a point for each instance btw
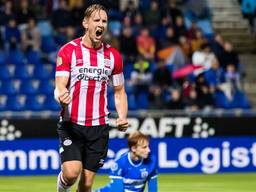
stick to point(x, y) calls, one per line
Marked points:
point(204, 95)
point(162, 75)
point(130, 9)
point(169, 39)
point(128, 45)
point(146, 44)
point(137, 24)
point(172, 11)
point(30, 36)
point(217, 46)
point(38, 9)
point(197, 42)
point(152, 16)
point(191, 32)
point(186, 48)
point(249, 10)
point(176, 101)
point(61, 18)
point(197, 10)
point(6, 12)
point(156, 98)
point(229, 56)
point(12, 35)
point(192, 101)
point(179, 27)
point(24, 13)
point(78, 13)
point(204, 58)
point(161, 28)
point(141, 77)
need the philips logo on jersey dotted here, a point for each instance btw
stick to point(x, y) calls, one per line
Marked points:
point(94, 73)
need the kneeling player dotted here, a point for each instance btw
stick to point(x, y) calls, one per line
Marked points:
point(134, 168)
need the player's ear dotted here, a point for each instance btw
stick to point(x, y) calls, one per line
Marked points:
point(85, 24)
point(133, 148)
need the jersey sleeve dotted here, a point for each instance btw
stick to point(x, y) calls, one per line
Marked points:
point(152, 179)
point(117, 73)
point(63, 62)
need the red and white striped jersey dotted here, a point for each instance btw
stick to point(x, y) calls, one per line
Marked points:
point(89, 71)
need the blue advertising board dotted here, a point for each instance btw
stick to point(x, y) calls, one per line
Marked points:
point(183, 155)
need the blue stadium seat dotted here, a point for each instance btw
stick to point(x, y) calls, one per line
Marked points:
point(33, 57)
point(9, 88)
point(128, 68)
point(2, 58)
point(29, 87)
point(46, 87)
point(5, 73)
point(15, 103)
point(15, 57)
point(22, 72)
point(132, 104)
point(48, 44)
point(111, 101)
point(3, 99)
point(34, 103)
point(40, 72)
point(142, 100)
point(51, 104)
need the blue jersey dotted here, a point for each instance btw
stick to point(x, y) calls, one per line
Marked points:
point(129, 176)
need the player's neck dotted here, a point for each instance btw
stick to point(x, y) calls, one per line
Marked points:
point(134, 157)
point(89, 43)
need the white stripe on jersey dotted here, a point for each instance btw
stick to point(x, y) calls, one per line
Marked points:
point(96, 96)
point(62, 73)
point(83, 90)
point(118, 79)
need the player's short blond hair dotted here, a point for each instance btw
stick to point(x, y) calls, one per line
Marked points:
point(135, 138)
point(88, 12)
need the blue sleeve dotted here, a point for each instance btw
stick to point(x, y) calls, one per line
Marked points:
point(152, 184)
point(116, 185)
point(115, 175)
point(152, 180)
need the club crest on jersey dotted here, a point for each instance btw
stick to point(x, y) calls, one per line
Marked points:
point(144, 173)
point(59, 61)
point(107, 63)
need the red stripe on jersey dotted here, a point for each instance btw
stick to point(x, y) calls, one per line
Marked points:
point(102, 103)
point(76, 93)
point(103, 92)
point(90, 91)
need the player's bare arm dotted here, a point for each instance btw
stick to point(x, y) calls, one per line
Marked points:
point(121, 107)
point(61, 92)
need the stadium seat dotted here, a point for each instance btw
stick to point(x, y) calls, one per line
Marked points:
point(142, 100)
point(33, 57)
point(40, 72)
point(16, 103)
point(5, 73)
point(29, 87)
point(15, 57)
point(10, 87)
point(2, 58)
point(132, 105)
point(3, 99)
point(111, 101)
point(51, 104)
point(34, 103)
point(46, 87)
point(48, 44)
point(22, 72)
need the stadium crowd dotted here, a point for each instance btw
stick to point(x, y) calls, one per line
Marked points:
point(172, 59)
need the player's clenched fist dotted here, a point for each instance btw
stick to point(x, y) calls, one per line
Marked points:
point(62, 97)
point(122, 124)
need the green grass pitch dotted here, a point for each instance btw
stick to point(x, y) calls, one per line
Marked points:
point(167, 183)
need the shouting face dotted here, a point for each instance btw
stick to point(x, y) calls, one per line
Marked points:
point(96, 26)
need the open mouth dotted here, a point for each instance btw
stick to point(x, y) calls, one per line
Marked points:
point(99, 32)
